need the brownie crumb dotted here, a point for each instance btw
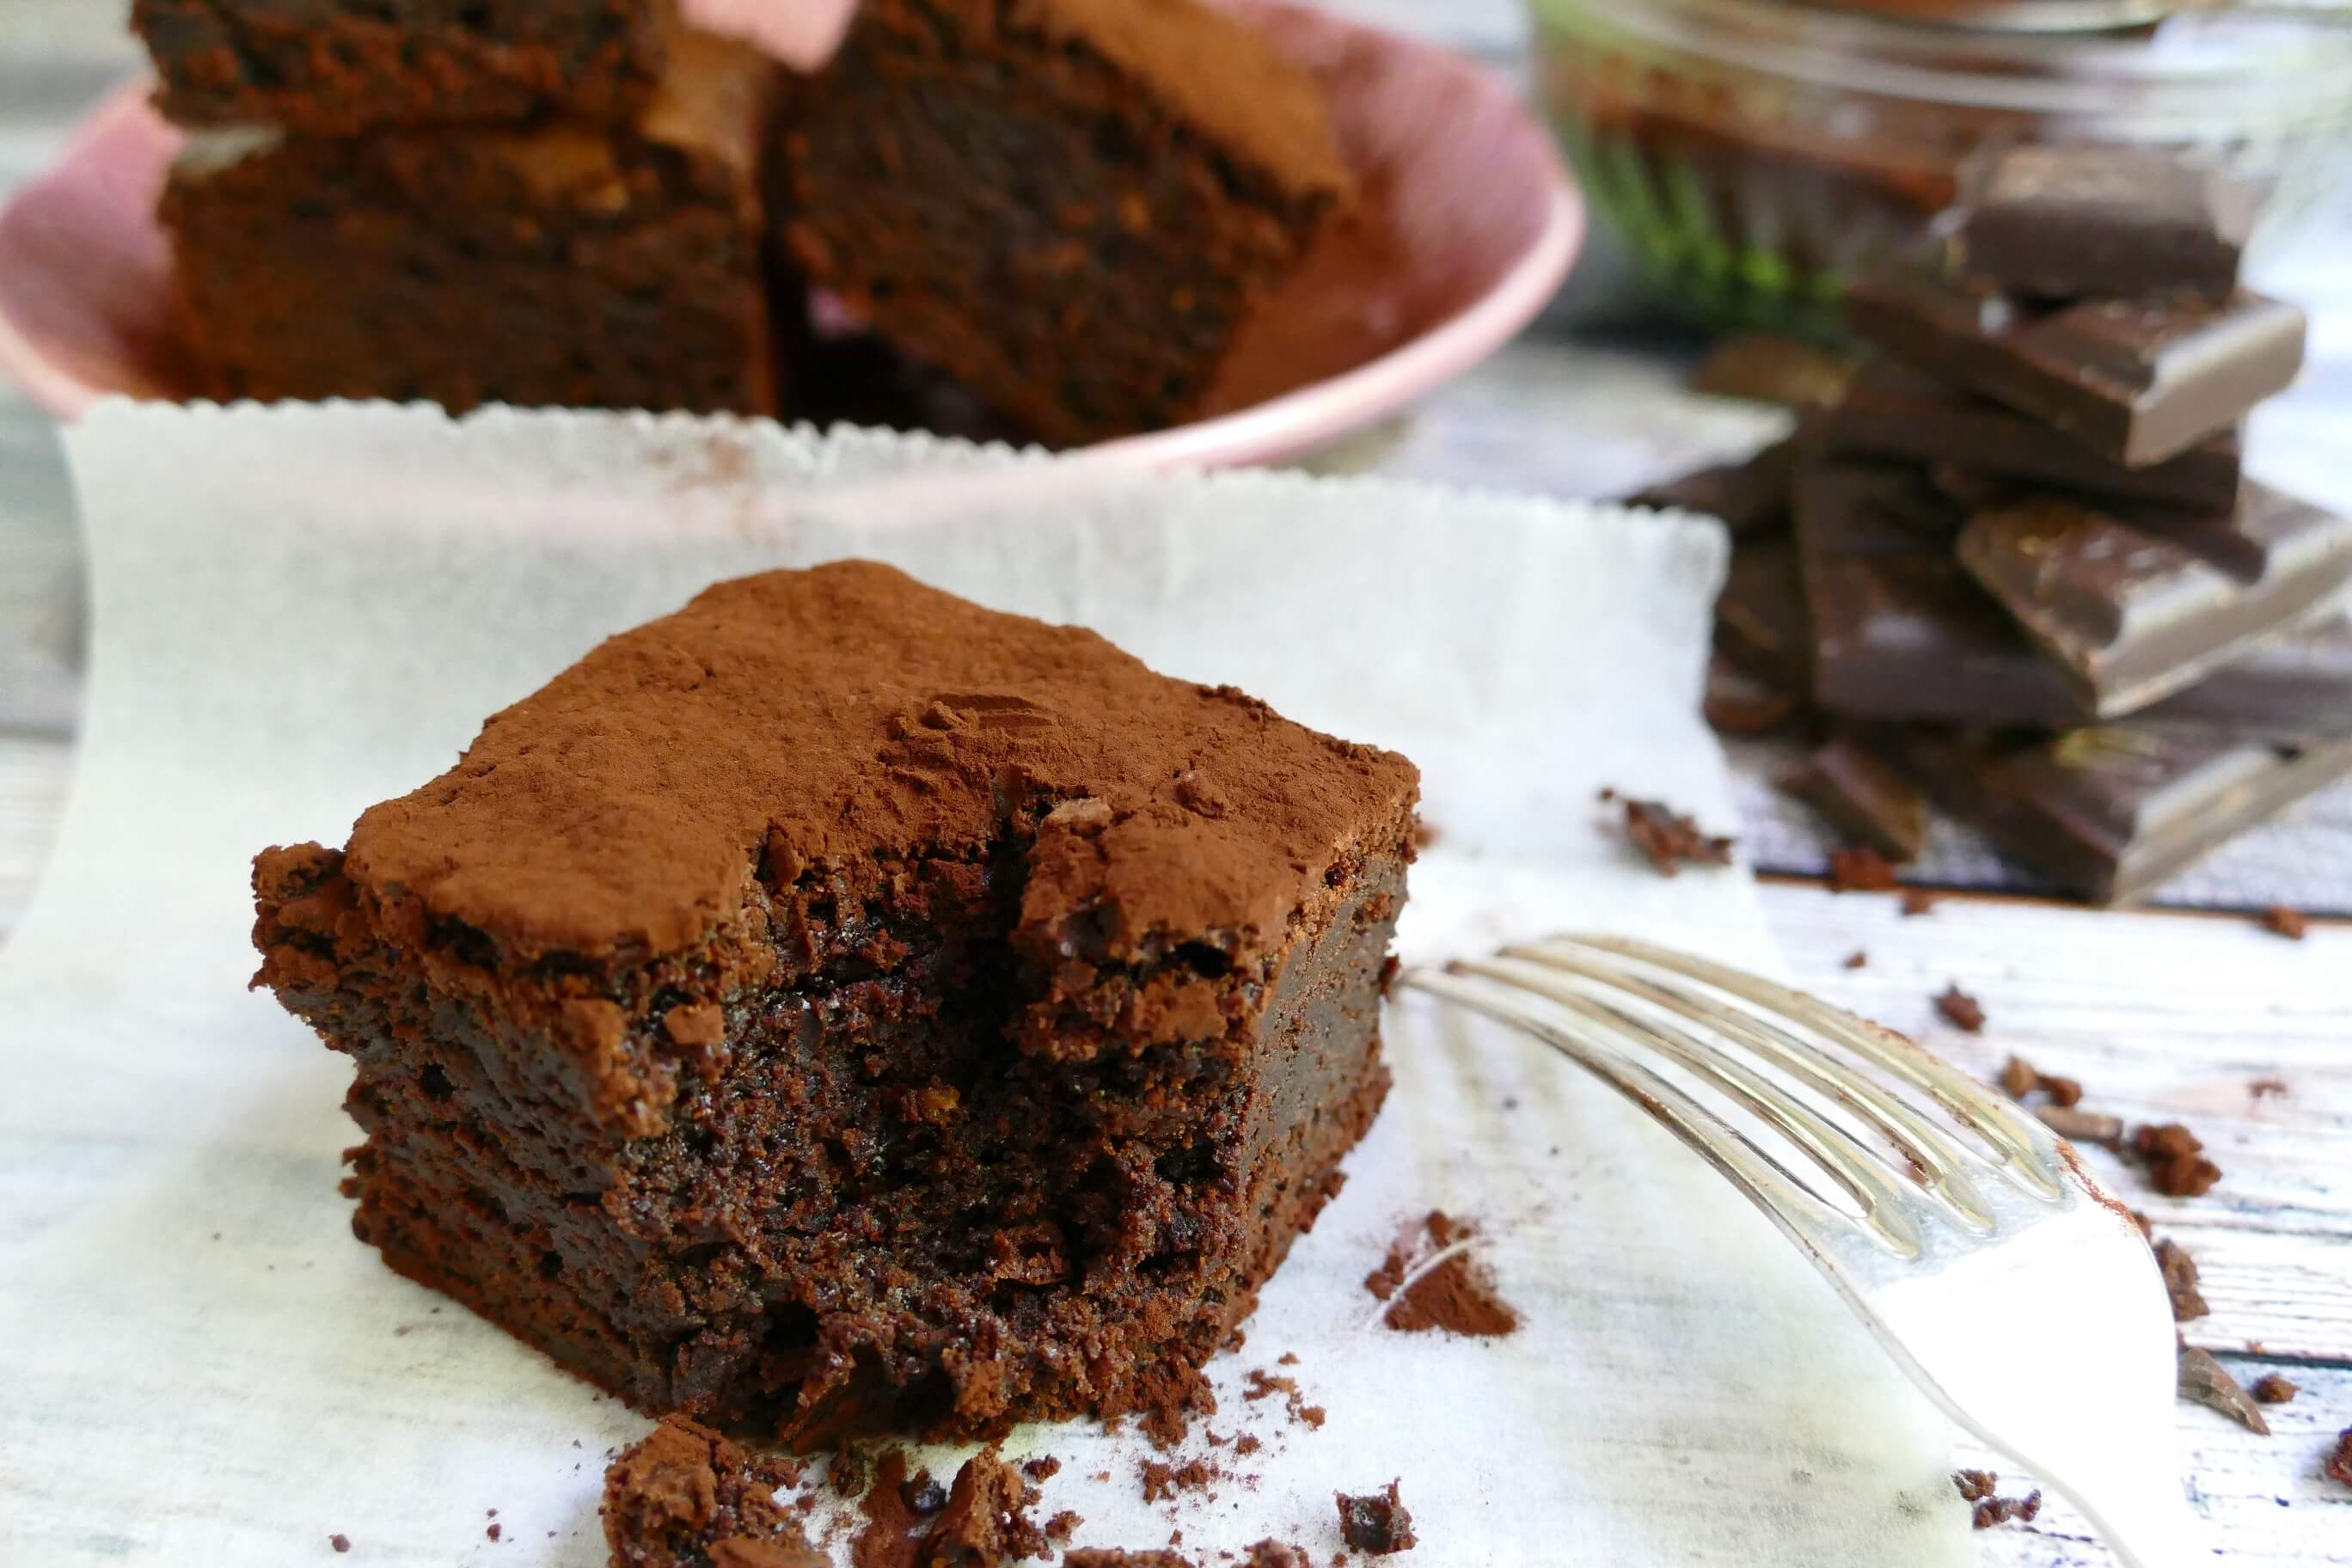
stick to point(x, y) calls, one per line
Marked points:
point(1425, 834)
point(1917, 902)
point(1166, 1480)
point(686, 1496)
point(1860, 870)
point(1275, 1554)
point(1857, 959)
point(1247, 1443)
point(1377, 1524)
point(2208, 1383)
point(2266, 1088)
point(1962, 1010)
point(1263, 1385)
point(2338, 1465)
point(2176, 1161)
point(1043, 1467)
point(2273, 1389)
point(339, 1542)
point(1456, 1295)
point(2180, 1281)
point(1980, 1487)
point(493, 1532)
point(2020, 1079)
point(986, 1520)
point(1062, 1526)
point(2280, 920)
point(1287, 1358)
point(1096, 1557)
point(1671, 840)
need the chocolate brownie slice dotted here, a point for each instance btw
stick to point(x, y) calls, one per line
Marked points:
point(333, 67)
point(840, 1005)
point(1072, 206)
point(568, 263)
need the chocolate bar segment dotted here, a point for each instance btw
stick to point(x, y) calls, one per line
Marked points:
point(1865, 795)
point(1891, 410)
point(2138, 381)
point(1899, 631)
point(1760, 623)
point(2110, 813)
point(2133, 612)
point(1751, 498)
point(2069, 222)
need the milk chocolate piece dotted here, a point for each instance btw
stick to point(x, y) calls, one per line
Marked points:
point(2110, 813)
point(1865, 795)
point(2133, 611)
point(2066, 222)
point(2136, 381)
point(1751, 498)
point(1891, 410)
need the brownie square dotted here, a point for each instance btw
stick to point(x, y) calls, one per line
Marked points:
point(841, 1006)
point(1071, 206)
point(571, 263)
point(334, 67)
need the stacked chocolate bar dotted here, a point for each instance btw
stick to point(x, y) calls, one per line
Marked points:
point(2019, 566)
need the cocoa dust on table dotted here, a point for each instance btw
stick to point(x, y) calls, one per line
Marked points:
point(1457, 1295)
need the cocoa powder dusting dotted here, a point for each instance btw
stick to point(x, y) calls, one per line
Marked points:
point(1456, 1295)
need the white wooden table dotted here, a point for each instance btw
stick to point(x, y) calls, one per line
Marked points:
point(2162, 1016)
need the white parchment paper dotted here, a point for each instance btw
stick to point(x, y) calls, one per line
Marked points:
point(298, 612)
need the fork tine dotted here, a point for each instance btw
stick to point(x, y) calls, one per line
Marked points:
point(1942, 1159)
point(1846, 1161)
point(1583, 1037)
point(2028, 1150)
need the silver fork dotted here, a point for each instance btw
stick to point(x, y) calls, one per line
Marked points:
point(1987, 1263)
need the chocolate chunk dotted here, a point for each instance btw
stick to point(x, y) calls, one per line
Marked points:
point(1762, 368)
point(1739, 703)
point(2065, 221)
point(1760, 621)
point(2209, 1383)
point(1862, 794)
point(2136, 380)
point(2110, 813)
point(1895, 411)
point(2137, 609)
point(1751, 498)
point(1377, 1524)
point(2337, 1466)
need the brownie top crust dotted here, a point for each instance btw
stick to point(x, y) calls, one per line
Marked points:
point(1202, 66)
point(795, 720)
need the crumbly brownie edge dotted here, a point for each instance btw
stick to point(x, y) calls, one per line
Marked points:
point(460, 1235)
point(324, 69)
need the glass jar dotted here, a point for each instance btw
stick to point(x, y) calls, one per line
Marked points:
point(1754, 153)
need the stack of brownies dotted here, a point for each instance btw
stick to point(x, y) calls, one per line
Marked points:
point(592, 203)
point(2017, 565)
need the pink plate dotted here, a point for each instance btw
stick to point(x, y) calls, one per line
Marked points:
point(1473, 222)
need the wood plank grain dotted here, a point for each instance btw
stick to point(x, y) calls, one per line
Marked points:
point(2264, 1500)
point(2162, 1018)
